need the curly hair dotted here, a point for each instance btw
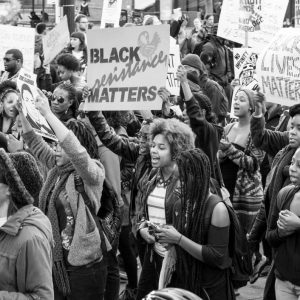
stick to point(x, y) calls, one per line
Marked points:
point(85, 137)
point(294, 110)
point(179, 135)
point(69, 61)
point(116, 119)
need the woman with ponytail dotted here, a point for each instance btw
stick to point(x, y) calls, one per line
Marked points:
point(199, 235)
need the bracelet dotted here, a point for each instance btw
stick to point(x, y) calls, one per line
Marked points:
point(179, 240)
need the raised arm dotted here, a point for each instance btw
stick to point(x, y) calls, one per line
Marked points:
point(264, 139)
point(119, 145)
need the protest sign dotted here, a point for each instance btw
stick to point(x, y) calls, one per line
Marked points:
point(297, 13)
point(56, 40)
point(126, 71)
point(26, 83)
point(173, 84)
point(261, 19)
point(111, 12)
point(13, 37)
point(245, 60)
point(278, 68)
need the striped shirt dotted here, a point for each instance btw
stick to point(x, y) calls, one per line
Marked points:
point(157, 213)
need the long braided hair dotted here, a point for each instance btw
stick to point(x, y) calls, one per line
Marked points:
point(194, 176)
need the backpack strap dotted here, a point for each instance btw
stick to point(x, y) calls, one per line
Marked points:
point(79, 186)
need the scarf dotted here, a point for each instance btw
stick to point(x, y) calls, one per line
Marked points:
point(54, 185)
point(276, 179)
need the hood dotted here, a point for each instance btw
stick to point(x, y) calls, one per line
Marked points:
point(25, 216)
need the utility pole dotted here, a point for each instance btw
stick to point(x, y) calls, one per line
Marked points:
point(209, 7)
point(69, 10)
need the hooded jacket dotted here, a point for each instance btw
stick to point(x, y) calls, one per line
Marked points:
point(26, 256)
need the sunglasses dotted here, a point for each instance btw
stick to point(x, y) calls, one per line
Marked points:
point(59, 99)
point(8, 59)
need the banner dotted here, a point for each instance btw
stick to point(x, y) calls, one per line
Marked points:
point(111, 12)
point(26, 83)
point(22, 38)
point(278, 68)
point(245, 60)
point(56, 40)
point(173, 85)
point(262, 20)
point(126, 67)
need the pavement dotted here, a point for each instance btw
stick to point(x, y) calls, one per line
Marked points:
point(249, 292)
point(253, 291)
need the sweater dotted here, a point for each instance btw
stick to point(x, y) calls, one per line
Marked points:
point(286, 249)
point(248, 191)
point(26, 256)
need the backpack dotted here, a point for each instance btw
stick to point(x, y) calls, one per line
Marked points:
point(108, 218)
point(239, 251)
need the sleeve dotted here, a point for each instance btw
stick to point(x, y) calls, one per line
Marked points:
point(248, 162)
point(259, 227)
point(215, 253)
point(272, 234)
point(120, 146)
point(40, 149)
point(267, 140)
point(34, 272)
point(90, 170)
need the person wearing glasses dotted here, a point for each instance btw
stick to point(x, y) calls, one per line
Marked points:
point(82, 23)
point(13, 62)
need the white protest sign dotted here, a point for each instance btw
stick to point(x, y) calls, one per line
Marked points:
point(265, 21)
point(13, 37)
point(127, 70)
point(245, 60)
point(26, 83)
point(56, 40)
point(278, 68)
point(173, 85)
point(111, 12)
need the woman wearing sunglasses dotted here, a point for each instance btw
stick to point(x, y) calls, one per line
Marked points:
point(63, 102)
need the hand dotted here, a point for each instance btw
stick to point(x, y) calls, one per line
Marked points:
point(13, 144)
point(19, 105)
point(235, 82)
point(168, 234)
point(146, 236)
point(47, 68)
point(259, 103)
point(164, 94)
point(85, 92)
point(288, 221)
point(181, 74)
point(224, 144)
point(42, 104)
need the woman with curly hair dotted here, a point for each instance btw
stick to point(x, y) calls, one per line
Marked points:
point(169, 137)
point(200, 260)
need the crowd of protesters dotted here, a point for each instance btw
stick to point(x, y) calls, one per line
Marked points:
point(165, 168)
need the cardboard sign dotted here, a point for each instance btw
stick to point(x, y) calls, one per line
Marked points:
point(126, 71)
point(245, 60)
point(278, 68)
point(13, 37)
point(56, 40)
point(265, 19)
point(26, 83)
point(173, 85)
point(111, 12)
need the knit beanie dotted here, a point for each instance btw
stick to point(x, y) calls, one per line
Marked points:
point(80, 36)
point(204, 102)
point(22, 175)
point(194, 61)
point(250, 94)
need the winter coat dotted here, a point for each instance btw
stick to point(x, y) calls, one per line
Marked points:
point(26, 256)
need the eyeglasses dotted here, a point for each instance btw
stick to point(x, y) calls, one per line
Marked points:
point(5, 59)
point(59, 99)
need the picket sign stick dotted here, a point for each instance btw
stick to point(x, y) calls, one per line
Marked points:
point(246, 39)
